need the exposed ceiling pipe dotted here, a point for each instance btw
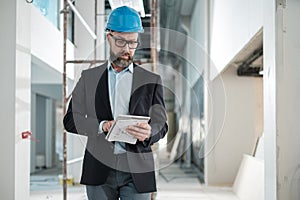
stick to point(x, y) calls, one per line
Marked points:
point(245, 68)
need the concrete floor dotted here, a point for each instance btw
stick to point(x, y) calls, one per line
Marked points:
point(177, 184)
point(173, 183)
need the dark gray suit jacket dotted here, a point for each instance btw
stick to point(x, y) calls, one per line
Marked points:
point(90, 105)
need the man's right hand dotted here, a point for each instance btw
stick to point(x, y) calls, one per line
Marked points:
point(107, 125)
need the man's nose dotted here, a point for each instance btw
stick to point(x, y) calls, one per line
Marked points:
point(126, 48)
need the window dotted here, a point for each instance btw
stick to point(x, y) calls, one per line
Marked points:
point(50, 9)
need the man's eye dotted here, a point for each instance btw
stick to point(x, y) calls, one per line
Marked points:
point(121, 41)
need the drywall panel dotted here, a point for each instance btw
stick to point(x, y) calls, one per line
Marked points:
point(249, 182)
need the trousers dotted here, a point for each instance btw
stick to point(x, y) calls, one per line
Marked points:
point(119, 184)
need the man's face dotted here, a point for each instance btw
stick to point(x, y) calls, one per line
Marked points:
point(122, 56)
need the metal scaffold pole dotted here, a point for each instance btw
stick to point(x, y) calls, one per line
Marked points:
point(154, 57)
point(65, 99)
point(154, 29)
point(95, 30)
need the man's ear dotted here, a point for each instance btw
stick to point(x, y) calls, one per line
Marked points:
point(108, 39)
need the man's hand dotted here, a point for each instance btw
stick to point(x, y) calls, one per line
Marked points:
point(107, 125)
point(141, 131)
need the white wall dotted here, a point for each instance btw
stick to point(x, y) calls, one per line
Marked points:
point(235, 121)
point(233, 24)
point(282, 69)
point(7, 102)
point(47, 43)
point(233, 105)
point(15, 101)
point(270, 54)
point(288, 108)
point(23, 95)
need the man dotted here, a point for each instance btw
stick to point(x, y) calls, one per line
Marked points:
point(113, 170)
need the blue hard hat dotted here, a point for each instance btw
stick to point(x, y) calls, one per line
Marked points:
point(124, 19)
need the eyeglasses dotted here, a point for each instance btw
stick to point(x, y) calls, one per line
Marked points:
point(122, 43)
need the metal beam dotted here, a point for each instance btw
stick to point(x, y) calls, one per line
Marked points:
point(84, 61)
point(65, 15)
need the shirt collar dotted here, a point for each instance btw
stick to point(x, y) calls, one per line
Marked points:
point(129, 68)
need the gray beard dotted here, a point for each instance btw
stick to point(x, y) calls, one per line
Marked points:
point(120, 62)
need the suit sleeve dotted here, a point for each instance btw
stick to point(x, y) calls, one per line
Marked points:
point(69, 121)
point(76, 119)
point(158, 116)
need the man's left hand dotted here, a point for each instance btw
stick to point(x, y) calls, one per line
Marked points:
point(141, 131)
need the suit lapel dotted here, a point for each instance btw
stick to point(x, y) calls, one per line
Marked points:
point(137, 81)
point(102, 94)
